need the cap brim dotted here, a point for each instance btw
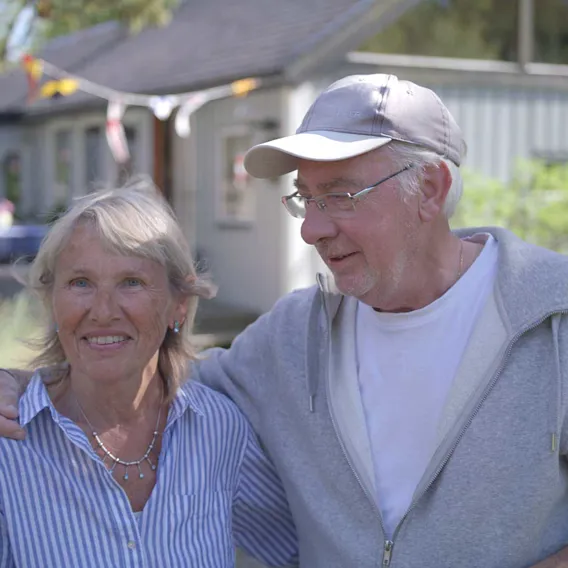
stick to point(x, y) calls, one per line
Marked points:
point(280, 156)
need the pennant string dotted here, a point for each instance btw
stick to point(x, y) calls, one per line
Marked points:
point(62, 84)
point(236, 88)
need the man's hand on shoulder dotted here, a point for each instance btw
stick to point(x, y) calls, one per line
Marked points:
point(12, 384)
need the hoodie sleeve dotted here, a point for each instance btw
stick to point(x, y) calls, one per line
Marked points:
point(247, 371)
point(235, 372)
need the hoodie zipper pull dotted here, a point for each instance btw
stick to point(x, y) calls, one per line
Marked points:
point(387, 553)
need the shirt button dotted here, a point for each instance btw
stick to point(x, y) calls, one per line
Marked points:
point(131, 544)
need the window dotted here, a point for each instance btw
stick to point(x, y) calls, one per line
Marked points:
point(12, 174)
point(93, 157)
point(132, 141)
point(551, 31)
point(235, 199)
point(63, 168)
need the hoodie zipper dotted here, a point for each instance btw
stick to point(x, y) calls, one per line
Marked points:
point(387, 553)
point(388, 544)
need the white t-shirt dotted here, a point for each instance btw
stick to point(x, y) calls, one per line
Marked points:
point(406, 365)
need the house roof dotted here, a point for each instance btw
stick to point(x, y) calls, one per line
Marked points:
point(206, 43)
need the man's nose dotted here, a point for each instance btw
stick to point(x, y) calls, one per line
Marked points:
point(317, 225)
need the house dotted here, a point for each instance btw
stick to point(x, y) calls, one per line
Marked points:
point(237, 225)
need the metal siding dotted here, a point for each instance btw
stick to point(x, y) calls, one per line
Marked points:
point(556, 118)
point(504, 124)
point(521, 129)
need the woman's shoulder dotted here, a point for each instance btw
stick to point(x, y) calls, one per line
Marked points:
point(212, 415)
point(207, 401)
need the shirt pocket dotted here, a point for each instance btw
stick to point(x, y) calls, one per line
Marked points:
point(199, 528)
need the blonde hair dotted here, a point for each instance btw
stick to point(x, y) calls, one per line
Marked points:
point(134, 220)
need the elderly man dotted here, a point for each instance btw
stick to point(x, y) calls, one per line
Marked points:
point(416, 410)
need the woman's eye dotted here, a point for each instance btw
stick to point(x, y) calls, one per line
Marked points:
point(79, 283)
point(132, 282)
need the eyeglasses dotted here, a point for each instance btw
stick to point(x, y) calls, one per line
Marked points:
point(336, 205)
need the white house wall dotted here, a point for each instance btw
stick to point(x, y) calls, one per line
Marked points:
point(245, 260)
point(301, 260)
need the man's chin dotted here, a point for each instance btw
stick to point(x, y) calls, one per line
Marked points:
point(359, 288)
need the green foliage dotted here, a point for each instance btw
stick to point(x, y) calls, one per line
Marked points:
point(534, 204)
point(480, 29)
point(61, 17)
point(70, 15)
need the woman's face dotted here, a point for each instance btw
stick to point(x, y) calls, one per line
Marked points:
point(112, 311)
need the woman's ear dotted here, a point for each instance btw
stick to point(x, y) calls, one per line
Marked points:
point(180, 314)
point(434, 190)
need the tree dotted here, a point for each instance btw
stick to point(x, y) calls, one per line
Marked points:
point(534, 204)
point(480, 29)
point(60, 17)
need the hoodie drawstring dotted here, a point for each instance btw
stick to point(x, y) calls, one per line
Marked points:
point(314, 366)
point(557, 404)
point(312, 362)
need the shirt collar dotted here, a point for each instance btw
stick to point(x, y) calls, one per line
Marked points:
point(186, 397)
point(36, 398)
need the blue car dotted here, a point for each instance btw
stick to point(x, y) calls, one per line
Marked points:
point(21, 241)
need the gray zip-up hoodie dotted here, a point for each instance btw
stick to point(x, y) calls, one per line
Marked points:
point(495, 494)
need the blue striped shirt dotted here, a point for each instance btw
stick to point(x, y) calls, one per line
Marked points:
point(59, 506)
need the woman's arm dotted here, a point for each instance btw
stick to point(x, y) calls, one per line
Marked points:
point(6, 559)
point(262, 522)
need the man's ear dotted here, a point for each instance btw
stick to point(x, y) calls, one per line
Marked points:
point(435, 186)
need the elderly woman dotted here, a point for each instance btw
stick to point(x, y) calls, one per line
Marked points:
point(125, 463)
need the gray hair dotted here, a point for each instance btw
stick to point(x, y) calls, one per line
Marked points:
point(133, 220)
point(403, 154)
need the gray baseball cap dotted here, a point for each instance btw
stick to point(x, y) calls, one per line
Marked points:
point(358, 114)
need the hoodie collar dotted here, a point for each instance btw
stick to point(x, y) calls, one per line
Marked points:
point(531, 283)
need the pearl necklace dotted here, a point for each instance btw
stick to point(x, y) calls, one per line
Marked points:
point(116, 460)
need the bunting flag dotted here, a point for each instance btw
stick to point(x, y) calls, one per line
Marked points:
point(34, 71)
point(182, 122)
point(115, 134)
point(63, 84)
point(59, 88)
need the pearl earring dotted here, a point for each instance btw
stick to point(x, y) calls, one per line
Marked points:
point(176, 326)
